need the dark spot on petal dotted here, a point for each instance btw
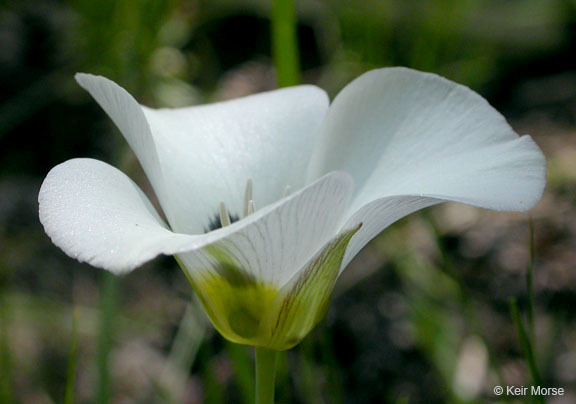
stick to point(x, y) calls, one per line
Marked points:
point(235, 275)
point(215, 222)
point(243, 322)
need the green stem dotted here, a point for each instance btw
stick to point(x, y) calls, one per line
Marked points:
point(265, 375)
point(285, 43)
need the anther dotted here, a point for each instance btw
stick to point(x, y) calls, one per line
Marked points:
point(250, 208)
point(248, 198)
point(224, 217)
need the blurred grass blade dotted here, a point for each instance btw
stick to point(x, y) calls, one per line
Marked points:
point(308, 372)
point(527, 348)
point(285, 43)
point(190, 335)
point(191, 332)
point(5, 359)
point(241, 361)
point(530, 282)
point(335, 392)
point(108, 306)
point(284, 390)
point(213, 384)
point(72, 361)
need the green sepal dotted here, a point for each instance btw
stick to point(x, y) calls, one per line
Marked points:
point(304, 301)
point(247, 311)
point(233, 299)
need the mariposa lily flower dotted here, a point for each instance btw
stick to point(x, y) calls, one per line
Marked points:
point(269, 197)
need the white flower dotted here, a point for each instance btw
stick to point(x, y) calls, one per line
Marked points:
point(393, 141)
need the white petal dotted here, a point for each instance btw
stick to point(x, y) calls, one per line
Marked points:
point(97, 214)
point(303, 301)
point(127, 114)
point(403, 132)
point(197, 157)
point(379, 214)
point(413, 139)
point(280, 238)
point(209, 152)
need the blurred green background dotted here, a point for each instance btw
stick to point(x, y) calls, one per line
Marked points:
point(421, 316)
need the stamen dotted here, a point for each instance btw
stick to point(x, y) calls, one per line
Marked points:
point(248, 198)
point(251, 208)
point(224, 217)
point(287, 191)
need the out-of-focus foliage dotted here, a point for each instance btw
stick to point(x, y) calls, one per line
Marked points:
point(421, 316)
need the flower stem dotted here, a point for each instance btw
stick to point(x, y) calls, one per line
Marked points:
point(285, 43)
point(265, 375)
